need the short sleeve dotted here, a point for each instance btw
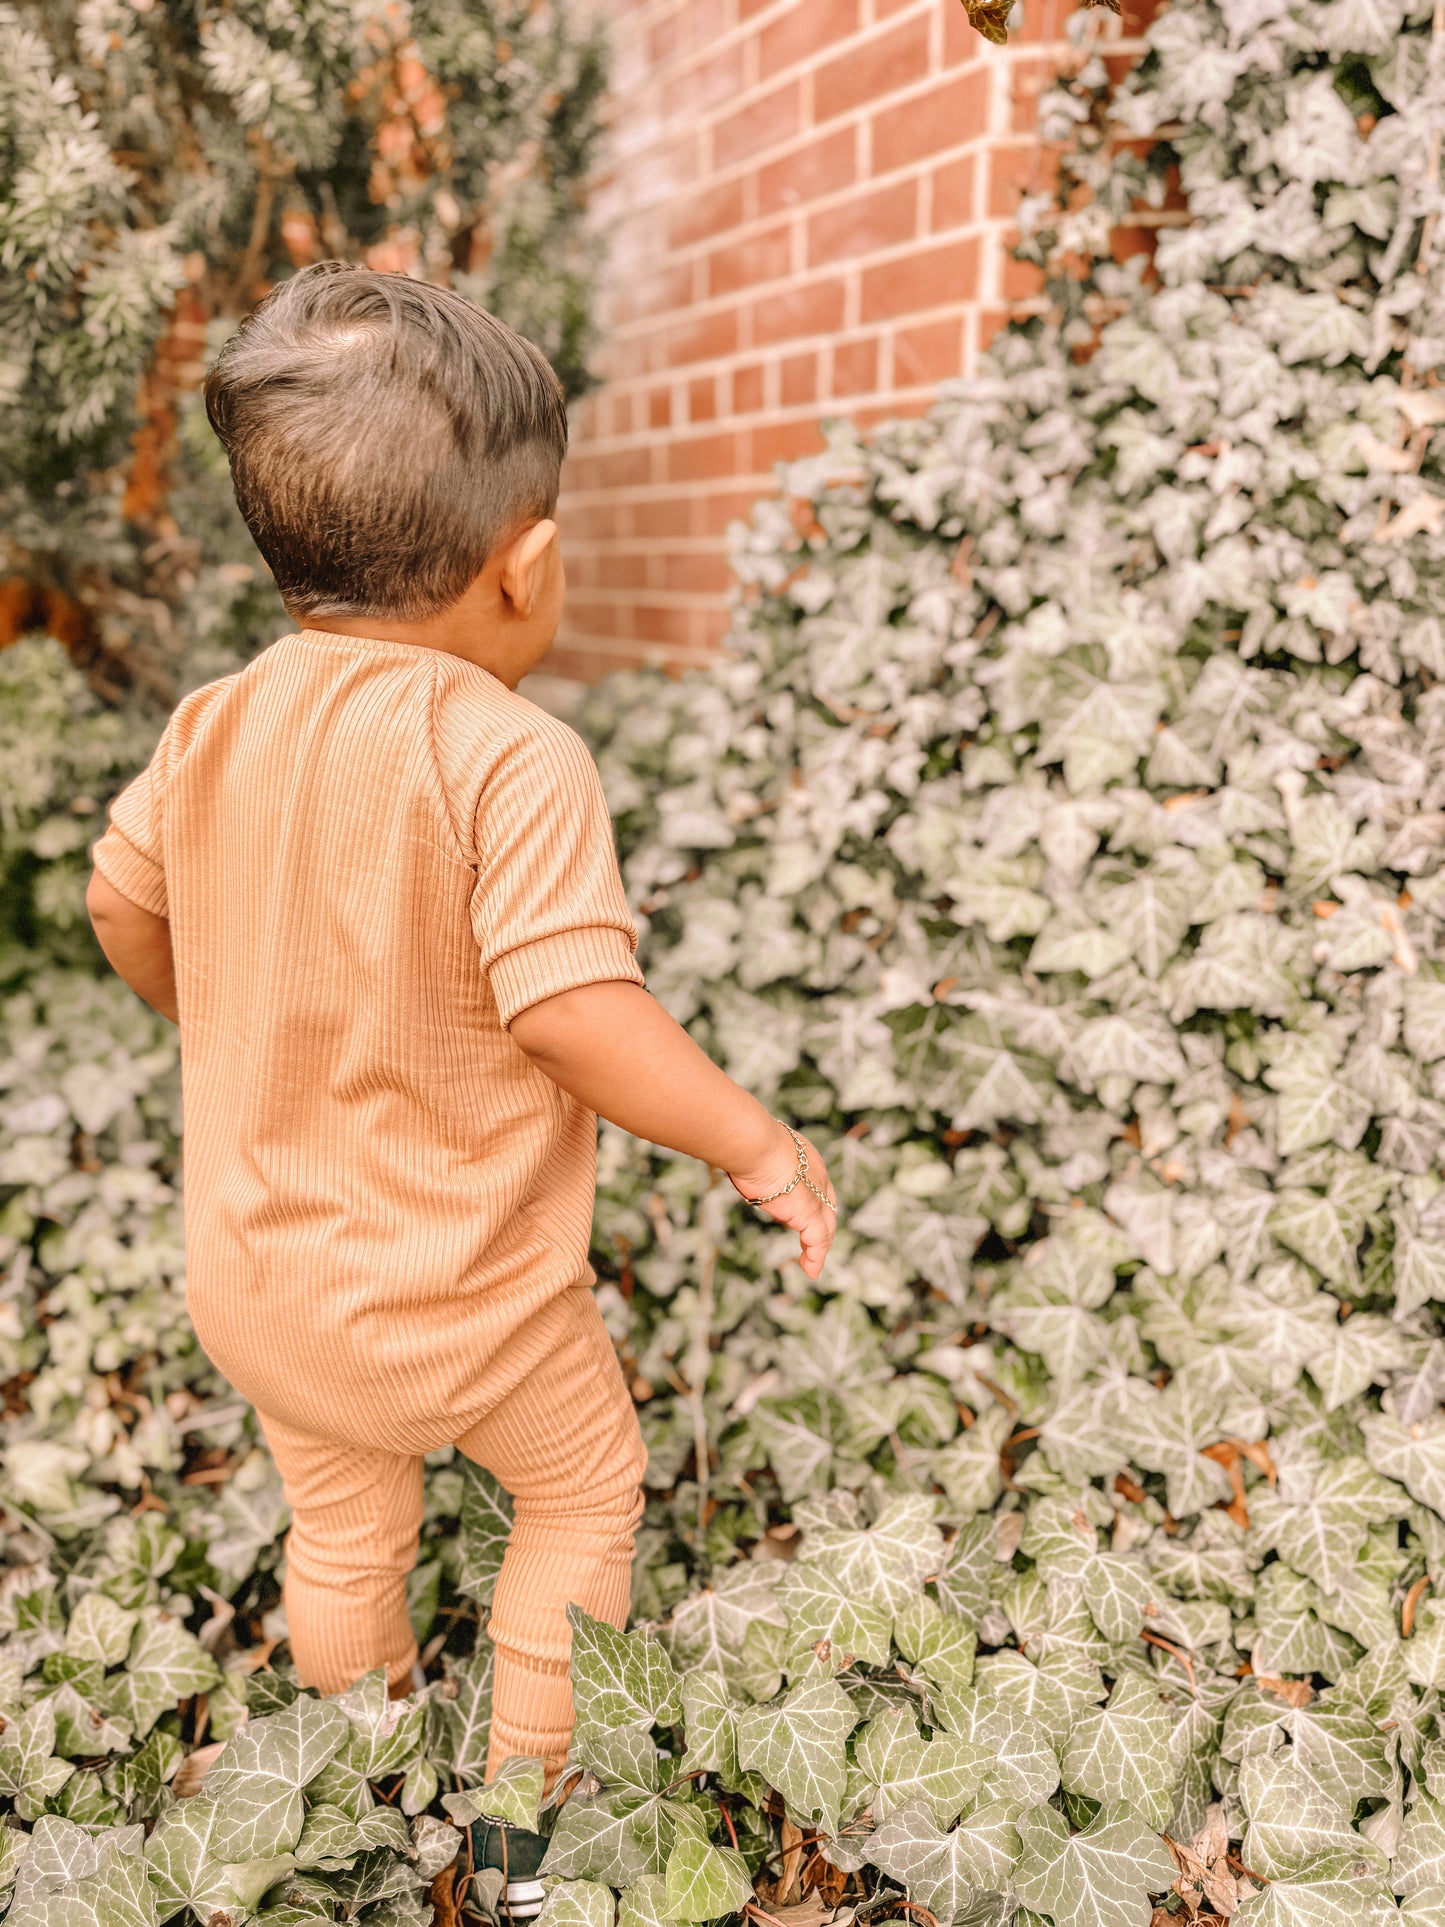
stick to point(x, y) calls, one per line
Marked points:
point(129, 854)
point(548, 910)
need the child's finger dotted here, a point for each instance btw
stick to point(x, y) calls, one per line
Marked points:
point(816, 1238)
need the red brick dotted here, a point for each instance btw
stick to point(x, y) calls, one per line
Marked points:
point(700, 457)
point(930, 351)
point(595, 657)
point(810, 310)
point(663, 624)
point(992, 322)
point(882, 218)
point(659, 408)
point(822, 167)
point(1014, 172)
point(890, 409)
point(928, 278)
point(695, 574)
point(798, 380)
point(584, 522)
point(617, 569)
point(590, 613)
point(703, 22)
point(702, 399)
point(947, 115)
point(724, 505)
point(1021, 280)
point(665, 288)
point(855, 366)
point(625, 360)
point(1030, 79)
point(880, 66)
point(783, 442)
point(711, 210)
point(953, 193)
point(963, 44)
point(579, 475)
point(1043, 21)
point(715, 78)
point(748, 389)
point(662, 41)
point(704, 338)
point(762, 124)
point(808, 28)
point(1126, 242)
point(624, 467)
point(664, 518)
point(764, 256)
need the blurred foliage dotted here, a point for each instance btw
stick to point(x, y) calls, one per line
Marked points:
point(162, 166)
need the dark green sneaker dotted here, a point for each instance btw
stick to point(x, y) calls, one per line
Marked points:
point(517, 1854)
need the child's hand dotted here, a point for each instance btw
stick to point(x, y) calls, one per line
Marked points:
point(800, 1209)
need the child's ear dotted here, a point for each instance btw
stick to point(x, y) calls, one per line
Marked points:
point(524, 564)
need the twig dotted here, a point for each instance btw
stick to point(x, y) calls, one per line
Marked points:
point(1154, 1639)
point(696, 1774)
point(1248, 1872)
point(752, 1911)
point(1010, 1405)
point(1412, 1599)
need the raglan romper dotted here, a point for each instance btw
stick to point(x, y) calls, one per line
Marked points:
point(372, 855)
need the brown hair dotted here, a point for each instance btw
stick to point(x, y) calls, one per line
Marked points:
point(384, 436)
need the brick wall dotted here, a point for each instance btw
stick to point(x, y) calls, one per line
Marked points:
point(808, 210)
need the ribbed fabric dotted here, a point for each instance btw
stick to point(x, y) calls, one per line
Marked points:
point(372, 855)
point(565, 1443)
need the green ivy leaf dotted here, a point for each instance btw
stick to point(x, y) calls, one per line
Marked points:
point(703, 1882)
point(577, 1903)
point(620, 1679)
point(796, 1743)
point(486, 1522)
point(257, 1782)
point(1100, 1877)
point(1122, 1751)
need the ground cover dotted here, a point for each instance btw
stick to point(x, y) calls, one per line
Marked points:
point(1060, 843)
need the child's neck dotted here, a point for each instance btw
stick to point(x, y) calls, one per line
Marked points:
point(483, 626)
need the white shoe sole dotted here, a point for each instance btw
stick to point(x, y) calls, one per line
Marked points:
point(523, 1899)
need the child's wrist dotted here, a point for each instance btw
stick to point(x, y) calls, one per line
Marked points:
point(772, 1150)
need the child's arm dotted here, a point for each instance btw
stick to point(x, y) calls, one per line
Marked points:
point(137, 944)
point(616, 1050)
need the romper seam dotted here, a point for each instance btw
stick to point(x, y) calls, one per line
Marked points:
point(458, 854)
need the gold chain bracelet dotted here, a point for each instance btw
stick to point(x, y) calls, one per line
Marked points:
point(800, 1176)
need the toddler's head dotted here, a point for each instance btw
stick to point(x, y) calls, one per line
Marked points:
point(385, 437)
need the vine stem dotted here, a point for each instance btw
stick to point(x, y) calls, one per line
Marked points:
point(699, 1354)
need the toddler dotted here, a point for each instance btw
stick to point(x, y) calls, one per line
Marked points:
point(377, 890)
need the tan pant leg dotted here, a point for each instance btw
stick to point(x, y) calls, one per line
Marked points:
point(355, 1516)
point(567, 1446)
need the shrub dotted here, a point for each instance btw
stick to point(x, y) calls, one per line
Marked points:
point(160, 168)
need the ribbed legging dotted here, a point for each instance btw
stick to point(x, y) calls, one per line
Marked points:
point(565, 1443)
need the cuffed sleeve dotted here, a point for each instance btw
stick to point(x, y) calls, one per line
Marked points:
point(130, 854)
point(548, 911)
point(134, 874)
